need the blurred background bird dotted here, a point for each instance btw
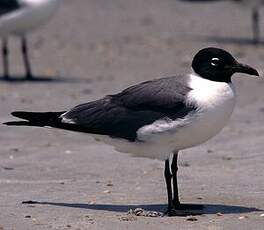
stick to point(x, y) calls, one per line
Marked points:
point(254, 5)
point(18, 17)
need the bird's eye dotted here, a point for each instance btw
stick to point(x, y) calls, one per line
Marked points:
point(215, 61)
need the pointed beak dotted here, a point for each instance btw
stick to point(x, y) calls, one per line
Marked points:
point(242, 68)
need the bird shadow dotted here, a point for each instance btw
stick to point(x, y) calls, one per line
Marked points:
point(43, 79)
point(230, 40)
point(207, 208)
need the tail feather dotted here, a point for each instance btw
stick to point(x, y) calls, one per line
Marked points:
point(39, 118)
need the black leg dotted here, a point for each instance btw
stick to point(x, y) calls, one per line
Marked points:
point(168, 177)
point(175, 208)
point(26, 58)
point(255, 21)
point(5, 58)
point(174, 170)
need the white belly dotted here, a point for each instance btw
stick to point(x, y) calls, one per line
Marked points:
point(216, 101)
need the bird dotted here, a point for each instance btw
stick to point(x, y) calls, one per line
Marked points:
point(17, 18)
point(255, 5)
point(157, 118)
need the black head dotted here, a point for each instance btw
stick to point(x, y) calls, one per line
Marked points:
point(218, 65)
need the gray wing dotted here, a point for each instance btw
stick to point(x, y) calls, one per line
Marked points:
point(121, 115)
point(7, 6)
point(162, 95)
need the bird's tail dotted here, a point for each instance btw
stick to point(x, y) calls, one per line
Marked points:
point(36, 118)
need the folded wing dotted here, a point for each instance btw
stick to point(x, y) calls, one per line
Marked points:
point(121, 115)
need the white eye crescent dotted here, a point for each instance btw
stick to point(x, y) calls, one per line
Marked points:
point(215, 61)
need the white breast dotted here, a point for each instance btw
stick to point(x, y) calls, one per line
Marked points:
point(215, 101)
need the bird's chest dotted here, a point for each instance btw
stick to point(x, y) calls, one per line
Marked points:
point(215, 103)
point(214, 107)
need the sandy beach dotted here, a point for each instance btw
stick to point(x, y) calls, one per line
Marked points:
point(96, 47)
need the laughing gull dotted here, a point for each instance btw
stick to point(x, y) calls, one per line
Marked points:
point(253, 4)
point(18, 17)
point(158, 118)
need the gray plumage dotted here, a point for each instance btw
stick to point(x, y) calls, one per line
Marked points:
point(122, 114)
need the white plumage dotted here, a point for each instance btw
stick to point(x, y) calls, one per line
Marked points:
point(31, 15)
point(20, 20)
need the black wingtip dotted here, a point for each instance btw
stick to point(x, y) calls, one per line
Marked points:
point(14, 113)
point(17, 123)
point(18, 114)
